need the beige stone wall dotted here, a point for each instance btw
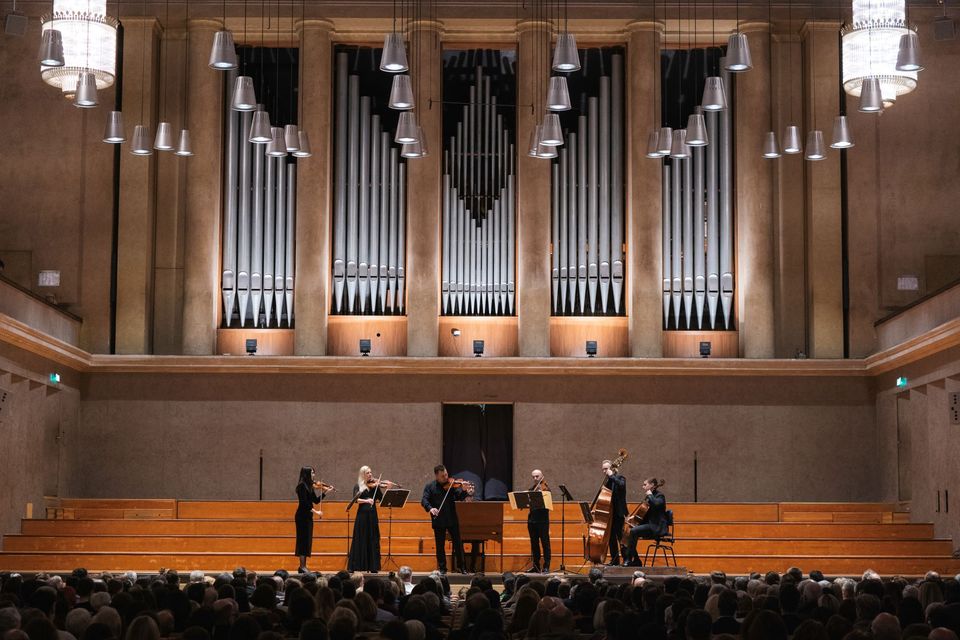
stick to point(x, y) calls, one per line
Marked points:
point(32, 421)
point(920, 444)
point(56, 178)
point(200, 436)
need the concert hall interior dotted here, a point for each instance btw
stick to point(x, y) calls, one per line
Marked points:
point(242, 238)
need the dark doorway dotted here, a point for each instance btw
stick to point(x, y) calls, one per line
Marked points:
point(478, 446)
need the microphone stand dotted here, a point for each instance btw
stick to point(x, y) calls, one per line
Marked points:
point(563, 524)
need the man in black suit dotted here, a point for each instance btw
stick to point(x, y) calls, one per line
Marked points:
point(654, 523)
point(618, 508)
point(444, 515)
point(538, 527)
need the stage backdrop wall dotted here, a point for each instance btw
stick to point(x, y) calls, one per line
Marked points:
point(201, 436)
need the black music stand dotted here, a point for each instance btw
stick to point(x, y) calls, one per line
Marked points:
point(392, 499)
point(565, 495)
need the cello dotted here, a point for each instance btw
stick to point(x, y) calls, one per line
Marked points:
point(597, 540)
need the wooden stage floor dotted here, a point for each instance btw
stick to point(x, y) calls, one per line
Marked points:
point(216, 536)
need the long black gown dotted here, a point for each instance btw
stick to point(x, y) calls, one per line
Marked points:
point(365, 548)
point(306, 498)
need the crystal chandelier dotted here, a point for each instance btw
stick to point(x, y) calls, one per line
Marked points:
point(89, 44)
point(870, 47)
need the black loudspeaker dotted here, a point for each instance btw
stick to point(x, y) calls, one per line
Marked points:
point(944, 29)
point(16, 24)
point(251, 346)
point(364, 346)
point(591, 348)
point(478, 348)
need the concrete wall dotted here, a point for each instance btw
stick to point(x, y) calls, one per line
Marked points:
point(56, 198)
point(922, 444)
point(200, 436)
point(32, 420)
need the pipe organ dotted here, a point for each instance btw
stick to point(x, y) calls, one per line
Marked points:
point(260, 196)
point(479, 184)
point(369, 196)
point(587, 197)
point(698, 231)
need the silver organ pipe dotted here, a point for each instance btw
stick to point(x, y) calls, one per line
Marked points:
point(478, 237)
point(259, 231)
point(243, 220)
point(616, 181)
point(588, 210)
point(698, 230)
point(369, 203)
point(603, 209)
point(340, 190)
point(228, 282)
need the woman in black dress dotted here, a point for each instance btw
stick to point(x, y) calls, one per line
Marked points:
point(365, 548)
point(306, 498)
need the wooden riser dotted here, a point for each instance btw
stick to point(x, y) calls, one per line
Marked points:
point(421, 528)
point(283, 544)
point(736, 565)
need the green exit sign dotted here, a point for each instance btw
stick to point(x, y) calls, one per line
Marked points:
point(902, 381)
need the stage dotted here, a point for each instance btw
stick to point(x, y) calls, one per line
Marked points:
point(216, 536)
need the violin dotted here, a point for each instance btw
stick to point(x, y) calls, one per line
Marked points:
point(541, 485)
point(456, 483)
point(387, 483)
point(323, 486)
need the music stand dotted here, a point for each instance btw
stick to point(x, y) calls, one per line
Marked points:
point(392, 499)
point(565, 495)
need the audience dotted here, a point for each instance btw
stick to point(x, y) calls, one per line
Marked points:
point(244, 606)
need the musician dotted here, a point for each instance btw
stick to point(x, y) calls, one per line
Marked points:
point(618, 508)
point(538, 526)
point(365, 547)
point(653, 524)
point(306, 498)
point(439, 500)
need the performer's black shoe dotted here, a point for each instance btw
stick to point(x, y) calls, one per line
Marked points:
point(463, 571)
point(534, 569)
point(546, 568)
point(615, 563)
point(302, 570)
point(636, 562)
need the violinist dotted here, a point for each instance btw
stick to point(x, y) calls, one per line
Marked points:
point(538, 526)
point(652, 525)
point(618, 507)
point(306, 498)
point(365, 548)
point(439, 500)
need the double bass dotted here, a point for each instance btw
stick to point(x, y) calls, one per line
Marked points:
point(597, 541)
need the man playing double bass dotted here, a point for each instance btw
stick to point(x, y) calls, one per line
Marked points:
point(618, 508)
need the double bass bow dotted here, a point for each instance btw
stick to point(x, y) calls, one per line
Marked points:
point(597, 540)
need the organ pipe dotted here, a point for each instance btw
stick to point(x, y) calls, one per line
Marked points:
point(478, 201)
point(698, 231)
point(587, 211)
point(369, 203)
point(259, 231)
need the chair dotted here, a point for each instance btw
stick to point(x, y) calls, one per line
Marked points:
point(662, 544)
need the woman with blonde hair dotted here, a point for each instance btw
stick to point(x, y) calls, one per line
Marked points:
point(365, 547)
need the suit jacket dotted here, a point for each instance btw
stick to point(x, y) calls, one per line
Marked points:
point(433, 495)
point(618, 502)
point(657, 515)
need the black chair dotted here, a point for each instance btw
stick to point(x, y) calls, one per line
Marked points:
point(662, 544)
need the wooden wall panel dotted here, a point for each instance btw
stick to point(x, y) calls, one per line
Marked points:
point(270, 342)
point(499, 336)
point(686, 344)
point(387, 334)
point(568, 336)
